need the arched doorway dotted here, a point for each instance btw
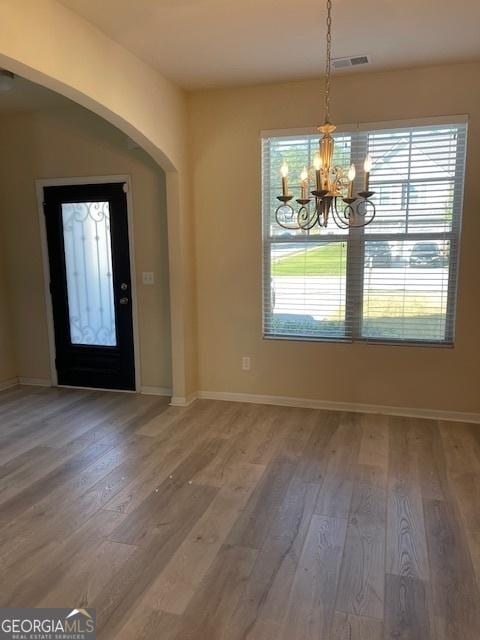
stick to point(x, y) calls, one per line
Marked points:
point(50, 45)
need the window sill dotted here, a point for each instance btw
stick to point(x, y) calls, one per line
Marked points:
point(364, 341)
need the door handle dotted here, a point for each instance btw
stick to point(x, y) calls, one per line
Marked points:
point(123, 300)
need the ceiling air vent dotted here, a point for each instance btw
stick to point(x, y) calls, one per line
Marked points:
point(354, 61)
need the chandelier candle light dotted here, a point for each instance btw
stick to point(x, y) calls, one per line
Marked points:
point(333, 185)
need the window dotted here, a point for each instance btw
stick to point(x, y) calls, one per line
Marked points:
point(394, 280)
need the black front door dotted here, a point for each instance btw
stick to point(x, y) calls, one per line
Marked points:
point(90, 285)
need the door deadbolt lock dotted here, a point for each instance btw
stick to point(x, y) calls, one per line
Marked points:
point(124, 286)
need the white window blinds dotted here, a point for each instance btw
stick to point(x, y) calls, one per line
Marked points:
point(394, 280)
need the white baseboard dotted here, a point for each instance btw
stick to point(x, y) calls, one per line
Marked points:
point(181, 401)
point(35, 382)
point(6, 384)
point(156, 391)
point(285, 401)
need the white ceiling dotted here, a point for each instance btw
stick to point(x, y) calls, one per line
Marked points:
point(210, 43)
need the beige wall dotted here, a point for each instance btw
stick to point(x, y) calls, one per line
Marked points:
point(73, 142)
point(225, 157)
point(7, 361)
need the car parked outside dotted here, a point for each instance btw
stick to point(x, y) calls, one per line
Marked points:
point(427, 254)
point(378, 253)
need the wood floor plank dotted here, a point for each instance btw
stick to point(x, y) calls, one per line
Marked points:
point(158, 424)
point(232, 453)
point(268, 430)
point(121, 420)
point(117, 600)
point(11, 396)
point(50, 460)
point(69, 505)
point(406, 540)
point(36, 406)
point(361, 588)
point(313, 463)
point(238, 521)
point(296, 428)
point(349, 627)
point(455, 595)
point(145, 521)
point(200, 417)
point(209, 613)
point(474, 431)
point(262, 607)
point(226, 416)
point(82, 580)
point(30, 580)
point(181, 578)
point(37, 432)
point(369, 496)
point(34, 493)
point(20, 462)
point(466, 489)
point(335, 494)
point(52, 431)
point(173, 445)
point(312, 602)
point(460, 447)
point(285, 435)
point(251, 528)
point(86, 492)
point(406, 612)
point(148, 624)
point(431, 467)
point(473, 540)
point(25, 421)
point(374, 443)
point(143, 483)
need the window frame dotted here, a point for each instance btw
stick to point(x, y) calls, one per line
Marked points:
point(356, 239)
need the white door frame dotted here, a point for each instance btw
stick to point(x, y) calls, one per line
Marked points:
point(61, 182)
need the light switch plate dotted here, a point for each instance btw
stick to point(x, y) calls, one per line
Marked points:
point(148, 277)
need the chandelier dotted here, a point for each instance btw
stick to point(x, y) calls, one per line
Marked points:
point(333, 193)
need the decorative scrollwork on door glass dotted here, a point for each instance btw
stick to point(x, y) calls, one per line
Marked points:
point(88, 258)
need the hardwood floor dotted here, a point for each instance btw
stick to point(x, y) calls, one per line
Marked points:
point(232, 521)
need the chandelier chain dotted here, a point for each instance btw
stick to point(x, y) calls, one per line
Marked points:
point(333, 193)
point(328, 63)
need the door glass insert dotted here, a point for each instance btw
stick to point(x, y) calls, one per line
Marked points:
point(88, 259)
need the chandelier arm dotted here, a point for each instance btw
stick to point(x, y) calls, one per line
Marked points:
point(348, 207)
point(356, 211)
point(310, 222)
point(367, 203)
point(339, 218)
point(373, 214)
point(291, 214)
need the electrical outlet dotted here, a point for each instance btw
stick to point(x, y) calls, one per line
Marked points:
point(246, 363)
point(148, 277)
